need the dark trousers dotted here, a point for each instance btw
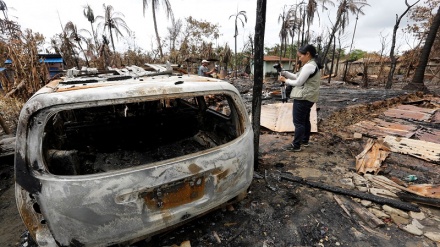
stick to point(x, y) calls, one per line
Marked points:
point(301, 121)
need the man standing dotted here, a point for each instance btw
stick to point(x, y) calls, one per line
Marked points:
point(203, 69)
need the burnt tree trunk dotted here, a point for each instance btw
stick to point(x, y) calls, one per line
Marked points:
point(334, 29)
point(258, 75)
point(354, 193)
point(365, 76)
point(333, 60)
point(417, 81)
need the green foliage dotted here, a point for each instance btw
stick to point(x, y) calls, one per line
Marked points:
point(356, 54)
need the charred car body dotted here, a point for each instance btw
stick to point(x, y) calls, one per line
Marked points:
point(112, 159)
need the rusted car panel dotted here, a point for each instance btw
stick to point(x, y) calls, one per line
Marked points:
point(111, 162)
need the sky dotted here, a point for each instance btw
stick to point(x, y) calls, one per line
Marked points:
point(44, 16)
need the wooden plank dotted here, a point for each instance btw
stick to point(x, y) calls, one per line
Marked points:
point(363, 213)
point(421, 149)
point(278, 117)
point(390, 185)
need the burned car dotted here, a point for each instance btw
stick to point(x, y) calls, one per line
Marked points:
point(115, 158)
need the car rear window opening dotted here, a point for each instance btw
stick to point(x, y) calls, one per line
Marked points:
point(112, 137)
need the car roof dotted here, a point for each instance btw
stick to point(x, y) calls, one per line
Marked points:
point(58, 92)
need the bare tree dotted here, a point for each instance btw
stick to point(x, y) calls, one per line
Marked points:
point(384, 44)
point(174, 31)
point(393, 44)
point(417, 81)
point(260, 26)
point(154, 5)
point(359, 11)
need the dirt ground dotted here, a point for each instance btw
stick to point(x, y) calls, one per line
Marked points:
point(281, 213)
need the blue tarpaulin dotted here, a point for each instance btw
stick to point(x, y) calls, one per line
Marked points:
point(46, 60)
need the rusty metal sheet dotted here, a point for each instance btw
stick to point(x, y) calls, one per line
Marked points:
point(381, 128)
point(416, 109)
point(428, 135)
point(278, 117)
point(411, 112)
point(405, 114)
point(175, 195)
point(436, 117)
point(371, 158)
point(428, 190)
point(420, 149)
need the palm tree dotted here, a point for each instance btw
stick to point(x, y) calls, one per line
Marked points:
point(113, 22)
point(237, 18)
point(344, 9)
point(154, 5)
point(284, 32)
point(4, 9)
point(88, 13)
point(72, 34)
point(312, 7)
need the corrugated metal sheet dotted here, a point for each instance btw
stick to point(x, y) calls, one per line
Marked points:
point(46, 60)
point(428, 134)
point(410, 112)
point(52, 60)
point(381, 128)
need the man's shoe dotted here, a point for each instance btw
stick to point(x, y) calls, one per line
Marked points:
point(305, 144)
point(291, 148)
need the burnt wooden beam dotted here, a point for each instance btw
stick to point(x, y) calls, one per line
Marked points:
point(366, 196)
point(435, 202)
